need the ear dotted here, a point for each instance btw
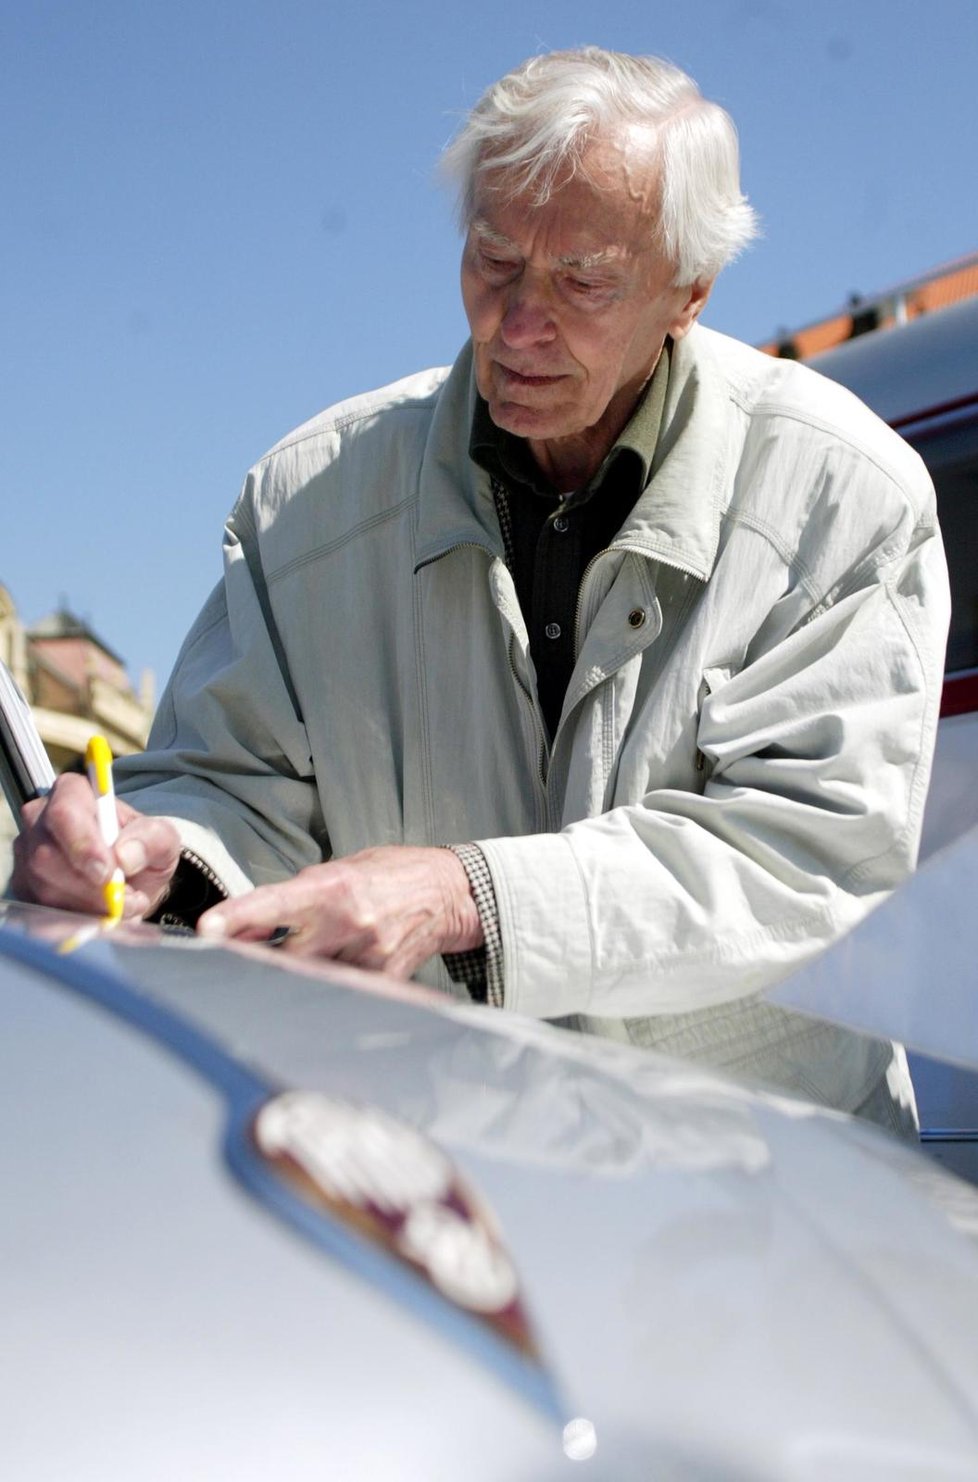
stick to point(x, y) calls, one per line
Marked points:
point(693, 300)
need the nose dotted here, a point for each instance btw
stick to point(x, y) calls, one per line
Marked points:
point(527, 319)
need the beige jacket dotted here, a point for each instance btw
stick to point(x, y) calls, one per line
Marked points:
point(741, 765)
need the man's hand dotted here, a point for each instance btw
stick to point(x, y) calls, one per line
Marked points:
point(389, 908)
point(60, 859)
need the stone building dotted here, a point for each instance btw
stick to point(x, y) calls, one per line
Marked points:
point(75, 685)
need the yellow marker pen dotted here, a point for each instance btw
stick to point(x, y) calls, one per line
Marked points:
point(98, 763)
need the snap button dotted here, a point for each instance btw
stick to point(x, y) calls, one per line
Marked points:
point(561, 523)
point(552, 630)
point(636, 617)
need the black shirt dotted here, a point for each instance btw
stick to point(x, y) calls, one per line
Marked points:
point(550, 539)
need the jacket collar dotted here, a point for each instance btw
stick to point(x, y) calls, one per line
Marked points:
point(455, 504)
point(677, 518)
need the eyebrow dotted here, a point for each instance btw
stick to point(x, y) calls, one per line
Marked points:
point(582, 261)
point(587, 260)
point(489, 234)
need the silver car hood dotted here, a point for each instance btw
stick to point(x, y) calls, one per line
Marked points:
point(720, 1284)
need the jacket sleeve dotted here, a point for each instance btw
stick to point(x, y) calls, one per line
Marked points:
point(228, 759)
point(817, 756)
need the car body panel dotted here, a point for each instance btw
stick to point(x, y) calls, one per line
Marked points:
point(920, 369)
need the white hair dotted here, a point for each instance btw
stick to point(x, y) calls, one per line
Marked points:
point(533, 127)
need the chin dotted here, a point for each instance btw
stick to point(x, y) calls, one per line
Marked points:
point(525, 421)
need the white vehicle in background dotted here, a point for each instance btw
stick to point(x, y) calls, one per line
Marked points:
point(922, 378)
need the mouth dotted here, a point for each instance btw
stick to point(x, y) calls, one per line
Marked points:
point(517, 378)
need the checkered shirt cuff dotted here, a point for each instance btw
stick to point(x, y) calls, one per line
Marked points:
point(481, 970)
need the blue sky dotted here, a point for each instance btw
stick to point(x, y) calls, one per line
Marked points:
point(218, 218)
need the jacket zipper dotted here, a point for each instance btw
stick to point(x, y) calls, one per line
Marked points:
point(209, 875)
point(543, 749)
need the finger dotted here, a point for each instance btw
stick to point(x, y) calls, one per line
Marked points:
point(69, 822)
point(327, 939)
point(42, 874)
point(253, 917)
point(59, 857)
point(148, 850)
point(398, 954)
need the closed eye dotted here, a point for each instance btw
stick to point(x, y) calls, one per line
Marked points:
point(587, 288)
point(499, 267)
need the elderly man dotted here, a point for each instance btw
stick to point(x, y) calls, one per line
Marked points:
point(599, 673)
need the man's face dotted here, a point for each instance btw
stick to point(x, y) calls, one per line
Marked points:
point(569, 304)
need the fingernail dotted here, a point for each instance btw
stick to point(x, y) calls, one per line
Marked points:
point(132, 856)
point(97, 871)
point(212, 926)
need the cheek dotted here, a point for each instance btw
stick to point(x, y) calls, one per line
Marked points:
point(479, 305)
point(639, 346)
point(604, 357)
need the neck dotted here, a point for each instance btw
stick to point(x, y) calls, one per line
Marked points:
point(570, 463)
